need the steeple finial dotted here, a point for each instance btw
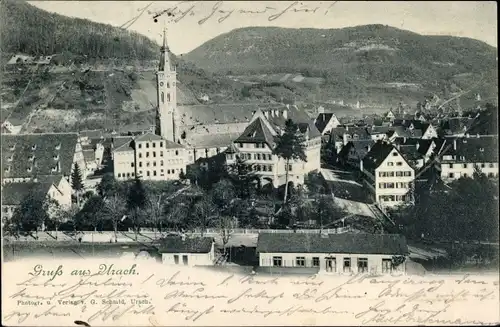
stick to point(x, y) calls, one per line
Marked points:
point(164, 56)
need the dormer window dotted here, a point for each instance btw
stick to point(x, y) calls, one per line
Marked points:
point(56, 156)
point(28, 169)
point(12, 147)
point(54, 169)
point(58, 147)
point(31, 158)
point(7, 169)
point(10, 158)
point(33, 147)
point(481, 149)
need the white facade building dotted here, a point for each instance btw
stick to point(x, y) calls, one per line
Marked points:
point(333, 253)
point(256, 143)
point(196, 251)
point(387, 174)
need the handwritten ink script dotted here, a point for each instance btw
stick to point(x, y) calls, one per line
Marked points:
point(221, 11)
point(152, 294)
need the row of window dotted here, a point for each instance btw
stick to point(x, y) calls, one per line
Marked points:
point(162, 172)
point(331, 263)
point(154, 163)
point(394, 173)
point(153, 144)
point(125, 175)
point(154, 154)
point(262, 167)
point(390, 163)
point(393, 185)
point(452, 175)
point(184, 259)
point(392, 198)
point(483, 165)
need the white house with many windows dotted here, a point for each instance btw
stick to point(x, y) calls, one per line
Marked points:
point(463, 154)
point(150, 157)
point(387, 174)
point(256, 143)
point(333, 253)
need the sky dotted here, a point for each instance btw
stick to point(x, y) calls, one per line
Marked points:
point(192, 23)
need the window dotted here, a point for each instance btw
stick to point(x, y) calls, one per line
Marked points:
point(407, 173)
point(483, 165)
point(168, 97)
point(394, 154)
point(399, 163)
point(154, 144)
point(119, 175)
point(161, 162)
point(315, 262)
point(491, 175)
point(161, 144)
point(147, 154)
point(147, 145)
point(140, 172)
point(465, 165)
point(176, 259)
point(154, 154)
point(300, 261)
point(154, 163)
point(390, 164)
point(386, 265)
point(347, 264)
point(362, 265)
point(128, 174)
point(147, 173)
point(331, 264)
point(240, 145)
point(140, 155)
point(277, 261)
point(140, 145)
point(492, 165)
point(162, 97)
point(465, 175)
point(289, 167)
point(147, 164)
point(132, 164)
point(451, 165)
point(154, 172)
point(184, 259)
point(176, 152)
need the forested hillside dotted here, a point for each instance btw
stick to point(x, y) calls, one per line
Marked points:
point(29, 30)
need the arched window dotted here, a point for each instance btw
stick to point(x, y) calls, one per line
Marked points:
point(162, 97)
point(168, 85)
point(168, 97)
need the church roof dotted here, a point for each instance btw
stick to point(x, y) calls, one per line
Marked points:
point(211, 140)
point(148, 137)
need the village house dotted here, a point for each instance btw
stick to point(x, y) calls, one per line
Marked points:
point(325, 122)
point(185, 251)
point(457, 126)
point(462, 155)
point(54, 187)
point(333, 253)
point(147, 156)
point(354, 151)
point(416, 128)
point(387, 174)
point(256, 143)
point(28, 156)
point(12, 126)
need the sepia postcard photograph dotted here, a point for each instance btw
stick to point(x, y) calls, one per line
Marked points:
point(249, 163)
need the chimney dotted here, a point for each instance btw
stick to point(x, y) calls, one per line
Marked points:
point(272, 113)
point(361, 164)
point(404, 140)
point(455, 144)
point(183, 237)
point(266, 114)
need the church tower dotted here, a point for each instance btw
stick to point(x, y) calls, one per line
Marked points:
point(166, 94)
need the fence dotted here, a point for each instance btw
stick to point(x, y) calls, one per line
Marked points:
point(254, 231)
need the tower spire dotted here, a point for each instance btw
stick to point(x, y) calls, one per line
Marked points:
point(164, 53)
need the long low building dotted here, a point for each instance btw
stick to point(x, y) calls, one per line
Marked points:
point(334, 253)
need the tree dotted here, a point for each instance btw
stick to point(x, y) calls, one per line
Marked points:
point(136, 202)
point(108, 185)
point(63, 214)
point(225, 224)
point(90, 214)
point(241, 175)
point(204, 212)
point(290, 146)
point(114, 210)
point(77, 182)
point(33, 211)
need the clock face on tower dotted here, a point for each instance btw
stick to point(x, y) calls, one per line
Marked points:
point(161, 83)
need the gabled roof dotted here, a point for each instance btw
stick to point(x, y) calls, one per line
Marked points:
point(148, 137)
point(122, 144)
point(39, 153)
point(389, 244)
point(211, 140)
point(482, 149)
point(322, 120)
point(14, 193)
point(189, 245)
point(298, 116)
point(257, 132)
point(377, 154)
